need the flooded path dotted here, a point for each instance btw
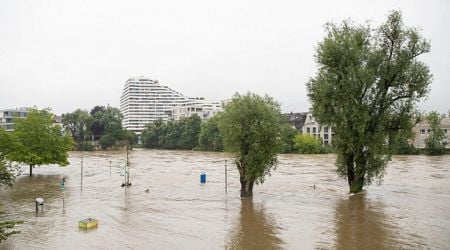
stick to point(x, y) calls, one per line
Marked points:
point(303, 205)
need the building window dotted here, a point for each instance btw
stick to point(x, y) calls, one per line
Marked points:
point(308, 130)
point(429, 131)
point(445, 131)
point(325, 142)
point(325, 129)
point(325, 136)
point(314, 130)
point(422, 131)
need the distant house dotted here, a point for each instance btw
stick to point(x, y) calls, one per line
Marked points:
point(204, 109)
point(312, 127)
point(297, 120)
point(423, 129)
point(8, 116)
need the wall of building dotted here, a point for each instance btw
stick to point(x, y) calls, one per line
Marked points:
point(423, 129)
point(7, 117)
point(144, 101)
point(312, 127)
point(202, 108)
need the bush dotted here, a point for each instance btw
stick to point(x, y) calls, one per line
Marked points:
point(308, 144)
point(107, 141)
point(84, 146)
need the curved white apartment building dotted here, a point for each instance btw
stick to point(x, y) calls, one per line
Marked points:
point(144, 100)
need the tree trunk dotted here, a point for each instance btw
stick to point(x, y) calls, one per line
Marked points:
point(356, 185)
point(31, 169)
point(356, 177)
point(355, 182)
point(246, 185)
point(246, 188)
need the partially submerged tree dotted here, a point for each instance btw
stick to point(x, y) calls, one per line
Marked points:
point(436, 141)
point(367, 86)
point(38, 141)
point(250, 128)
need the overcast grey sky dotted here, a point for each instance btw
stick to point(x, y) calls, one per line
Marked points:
point(78, 54)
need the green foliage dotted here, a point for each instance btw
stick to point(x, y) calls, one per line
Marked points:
point(97, 127)
point(250, 128)
point(131, 137)
point(6, 228)
point(404, 143)
point(107, 141)
point(38, 141)
point(435, 143)
point(8, 144)
point(308, 144)
point(210, 138)
point(7, 178)
point(150, 135)
point(100, 122)
point(78, 124)
point(97, 111)
point(84, 146)
point(191, 130)
point(367, 86)
point(287, 136)
point(182, 134)
point(111, 118)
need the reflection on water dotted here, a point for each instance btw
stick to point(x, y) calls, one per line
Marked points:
point(302, 205)
point(27, 189)
point(361, 224)
point(254, 229)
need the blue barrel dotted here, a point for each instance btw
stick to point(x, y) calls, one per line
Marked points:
point(202, 177)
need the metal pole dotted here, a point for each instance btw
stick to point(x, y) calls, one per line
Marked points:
point(110, 167)
point(128, 169)
point(226, 181)
point(81, 172)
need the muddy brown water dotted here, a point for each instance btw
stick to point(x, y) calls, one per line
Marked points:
point(409, 210)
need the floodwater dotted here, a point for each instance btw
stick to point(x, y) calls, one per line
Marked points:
point(302, 205)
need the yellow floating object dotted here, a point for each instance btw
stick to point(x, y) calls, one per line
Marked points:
point(88, 223)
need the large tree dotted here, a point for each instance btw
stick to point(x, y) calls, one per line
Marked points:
point(77, 123)
point(97, 126)
point(112, 119)
point(38, 141)
point(250, 126)
point(367, 86)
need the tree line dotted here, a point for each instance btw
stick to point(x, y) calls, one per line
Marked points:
point(100, 124)
point(191, 133)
